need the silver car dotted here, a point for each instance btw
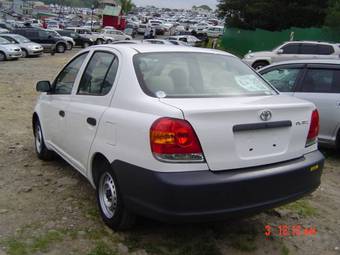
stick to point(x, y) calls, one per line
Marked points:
point(8, 50)
point(28, 47)
point(317, 81)
point(293, 50)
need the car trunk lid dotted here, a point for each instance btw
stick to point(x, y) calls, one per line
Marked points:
point(233, 135)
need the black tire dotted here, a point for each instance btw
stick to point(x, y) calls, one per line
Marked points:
point(99, 41)
point(127, 39)
point(86, 44)
point(24, 53)
point(69, 46)
point(2, 56)
point(60, 48)
point(109, 41)
point(259, 64)
point(337, 142)
point(40, 148)
point(107, 188)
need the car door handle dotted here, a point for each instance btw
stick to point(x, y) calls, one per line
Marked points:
point(91, 121)
point(62, 114)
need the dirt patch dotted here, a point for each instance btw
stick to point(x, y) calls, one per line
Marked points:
point(48, 208)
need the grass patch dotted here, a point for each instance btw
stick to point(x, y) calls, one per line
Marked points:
point(102, 249)
point(38, 244)
point(16, 247)
point(285, 250)
point(302, 208)
point(172, 241)
point(92, 213)
point(243, 242)
point(43, 242)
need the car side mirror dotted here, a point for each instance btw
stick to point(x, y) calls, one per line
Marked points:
point(280, 51)
point(43, 86)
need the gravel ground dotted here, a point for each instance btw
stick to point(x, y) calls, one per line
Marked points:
point(48, 208)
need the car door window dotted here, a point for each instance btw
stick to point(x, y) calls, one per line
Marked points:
point(320, 81)
point(325, 50)
point(43, 35)
point(291, 48)
point(65, 80)
point(99, 75)
point(308, 49)
point(283, 79)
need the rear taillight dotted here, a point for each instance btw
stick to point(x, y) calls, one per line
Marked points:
point(174, 140)
point(313, 129)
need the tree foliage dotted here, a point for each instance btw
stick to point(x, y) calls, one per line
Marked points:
point(126, 5)
point(333, 14)
point(273, 15)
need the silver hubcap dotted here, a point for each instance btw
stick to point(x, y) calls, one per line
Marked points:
point(107, 195)
point(38, 139)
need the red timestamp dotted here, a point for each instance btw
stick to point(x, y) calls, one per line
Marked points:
point(287, 230)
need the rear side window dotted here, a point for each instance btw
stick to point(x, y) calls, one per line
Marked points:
point(283, 78)
point(99, 75)
point(308, 49)
point(181, 74)
point(321, 81)
point(291, 48)
point(325, 50)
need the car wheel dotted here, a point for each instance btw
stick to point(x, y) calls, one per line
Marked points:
point(259, 64)
point(60, 48)
point(127, 39)
point(69, 46)
point(110, 202)
point(86, 44)
point(99, 41)
point(109, 41)
point(24, 53)
point(2, 56)
point(42, 152)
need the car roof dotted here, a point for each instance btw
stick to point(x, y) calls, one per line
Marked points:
point(315, 42)
point(10, 34)
point(149, 48)
point(306, 61)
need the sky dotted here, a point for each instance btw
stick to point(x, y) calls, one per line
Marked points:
point(187, 4)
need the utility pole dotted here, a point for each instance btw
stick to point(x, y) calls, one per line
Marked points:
point(92, 9)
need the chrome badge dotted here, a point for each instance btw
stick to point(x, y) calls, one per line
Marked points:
point(266, 115)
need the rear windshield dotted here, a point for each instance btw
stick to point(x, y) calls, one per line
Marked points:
point(174, 74)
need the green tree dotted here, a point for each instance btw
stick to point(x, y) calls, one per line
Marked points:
point(333, 15)
point(126, 5)
point(273, 15)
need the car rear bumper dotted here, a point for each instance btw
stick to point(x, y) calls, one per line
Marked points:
point(206, 195)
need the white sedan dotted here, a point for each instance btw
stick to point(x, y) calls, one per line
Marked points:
point(177, 133)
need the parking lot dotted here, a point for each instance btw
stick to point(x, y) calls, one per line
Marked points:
point(48, 208)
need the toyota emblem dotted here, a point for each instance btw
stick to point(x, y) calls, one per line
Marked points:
point(266, 115)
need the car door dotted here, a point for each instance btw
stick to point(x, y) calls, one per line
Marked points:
point(321, 85)
point(54, 104)
point(287, 52)
point(307, 51)
point(89, 102)
point(283, 77)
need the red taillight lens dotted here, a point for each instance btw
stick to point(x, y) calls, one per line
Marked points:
point(175, 140)
point(313, 129)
